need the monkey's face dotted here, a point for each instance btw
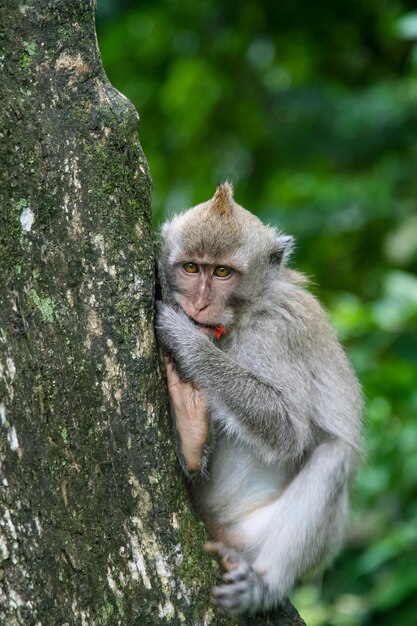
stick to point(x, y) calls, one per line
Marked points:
point(204, 287)
point(216, 259)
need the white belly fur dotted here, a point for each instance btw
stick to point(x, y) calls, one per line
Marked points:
point(240, 487)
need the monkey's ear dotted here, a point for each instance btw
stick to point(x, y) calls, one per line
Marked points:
point(284, 245)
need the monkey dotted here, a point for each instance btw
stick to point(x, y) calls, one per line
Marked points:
point(267, 406)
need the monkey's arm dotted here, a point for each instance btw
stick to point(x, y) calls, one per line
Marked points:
point(254, 406)
point(190, 414)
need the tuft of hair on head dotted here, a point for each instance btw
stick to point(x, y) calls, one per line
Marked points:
point(222, 200)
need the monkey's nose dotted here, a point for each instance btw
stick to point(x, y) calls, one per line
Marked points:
point(200, 306)
point(200, 303)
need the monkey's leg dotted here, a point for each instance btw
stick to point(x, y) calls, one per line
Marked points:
point(293, 534)
point(243, 589)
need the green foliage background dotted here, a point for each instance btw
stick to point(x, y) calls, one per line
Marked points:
point(310, 108)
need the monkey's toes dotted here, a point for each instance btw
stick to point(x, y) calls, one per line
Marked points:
point(234, 598)
point(230, 559)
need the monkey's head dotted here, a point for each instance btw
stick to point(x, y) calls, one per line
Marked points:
point(217, 257)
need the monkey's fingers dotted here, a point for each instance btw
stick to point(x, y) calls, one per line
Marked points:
point(229, 558)
point(168, 364)
point(235, 575)
point(215, 547)
point(173, 377)
point(223, 591)
point(231, 599)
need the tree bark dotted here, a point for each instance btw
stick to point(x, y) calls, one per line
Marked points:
point(95, 525)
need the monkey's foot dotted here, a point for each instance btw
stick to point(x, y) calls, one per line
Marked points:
point(242, 591)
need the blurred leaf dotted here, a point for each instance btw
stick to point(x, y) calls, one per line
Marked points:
point(349, 610)
point(350, 316)
point(400, 540)
point(401, 244)
point(392, 589)
point(399, 304)
point(406, 26)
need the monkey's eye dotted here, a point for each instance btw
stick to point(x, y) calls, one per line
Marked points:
point(222, 272)
point(190, 268)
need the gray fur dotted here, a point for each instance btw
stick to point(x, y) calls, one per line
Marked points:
point(286, 406)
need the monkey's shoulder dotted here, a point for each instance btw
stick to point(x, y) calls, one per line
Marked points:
point(287, 326)
point(287, 308)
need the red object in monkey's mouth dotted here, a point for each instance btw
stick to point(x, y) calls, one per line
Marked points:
point(219, 331)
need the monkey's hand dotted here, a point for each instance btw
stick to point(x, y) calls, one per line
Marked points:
point(179, 337)
point(191, 419)
point(243, 588)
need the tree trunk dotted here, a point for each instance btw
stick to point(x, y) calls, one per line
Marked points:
point(95, 526)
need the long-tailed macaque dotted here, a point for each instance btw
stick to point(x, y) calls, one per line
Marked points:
point(267, 407)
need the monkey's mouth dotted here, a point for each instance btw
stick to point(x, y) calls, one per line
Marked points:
point(217, 329)
point(212, 326)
